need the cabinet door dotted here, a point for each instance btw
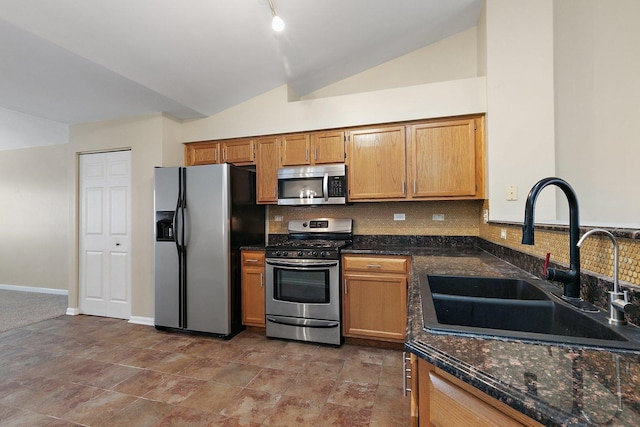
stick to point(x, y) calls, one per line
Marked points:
point(376, 164)
point(443, 159)
point(253, 312)
point(327, 147)
point(240, 153)
point(375, 307)
point(445, 401)
point(201, 153)
point(294, 150)
point(267, 170)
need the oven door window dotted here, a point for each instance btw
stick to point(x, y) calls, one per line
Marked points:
point(298, 286)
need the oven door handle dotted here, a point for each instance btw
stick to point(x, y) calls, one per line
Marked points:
point(302, 264)
point(306, 323)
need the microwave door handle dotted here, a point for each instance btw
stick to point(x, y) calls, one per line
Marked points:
point(325, 186)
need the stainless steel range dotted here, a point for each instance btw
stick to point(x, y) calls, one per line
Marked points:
point(303, 281)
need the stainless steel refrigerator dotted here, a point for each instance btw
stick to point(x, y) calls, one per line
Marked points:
point(203, 215)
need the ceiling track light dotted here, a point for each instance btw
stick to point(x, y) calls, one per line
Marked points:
point(276, 23)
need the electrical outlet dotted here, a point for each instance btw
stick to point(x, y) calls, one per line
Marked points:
point(278, 218)
point(503, 233)
point(485, 216)
point(512, 192)
point(398, 217)
point(438, 217)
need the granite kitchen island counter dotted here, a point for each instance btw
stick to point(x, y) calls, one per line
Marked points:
point(551, 383)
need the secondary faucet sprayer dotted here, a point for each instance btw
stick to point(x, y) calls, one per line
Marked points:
point(618, 301)
point(571, 278)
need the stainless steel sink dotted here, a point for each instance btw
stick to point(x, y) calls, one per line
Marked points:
point(521, 309)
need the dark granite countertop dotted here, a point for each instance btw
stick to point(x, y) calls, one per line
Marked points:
point(553, 384)
point(252, 248)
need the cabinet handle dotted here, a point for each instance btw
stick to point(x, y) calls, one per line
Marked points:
point(254, 151)
point(374, 266)
point(215, 155)
point(315, 153)
point(346, 290)
point(275, 191)
point(403, 188)
point(406, 374)
point(261, 280)
point(250, 260)
point(415, 191)
point(224, 155)
point(306, 155)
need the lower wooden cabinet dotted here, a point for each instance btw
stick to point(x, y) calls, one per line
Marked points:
point(253, 288)
point(444, 400)
point(374, 298)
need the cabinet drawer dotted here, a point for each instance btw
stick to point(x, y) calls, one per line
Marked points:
point(376, 264)
point(253, 258)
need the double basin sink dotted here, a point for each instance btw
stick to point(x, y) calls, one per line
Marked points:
point(521, 309)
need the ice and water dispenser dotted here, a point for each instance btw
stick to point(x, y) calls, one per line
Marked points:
point(164, 226)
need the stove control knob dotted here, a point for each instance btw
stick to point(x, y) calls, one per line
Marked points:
point(277, 253)
point(314, 253)
point(323, 254)
point(285, 253)
point(299, 253)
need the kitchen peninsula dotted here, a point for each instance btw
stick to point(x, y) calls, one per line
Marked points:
point(549, 384)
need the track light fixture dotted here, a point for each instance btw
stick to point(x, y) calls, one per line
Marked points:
point(276, 23)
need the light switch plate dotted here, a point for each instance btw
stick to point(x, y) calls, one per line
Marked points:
point(398, 217)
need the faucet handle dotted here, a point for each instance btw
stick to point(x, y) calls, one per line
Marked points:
point(546, 264)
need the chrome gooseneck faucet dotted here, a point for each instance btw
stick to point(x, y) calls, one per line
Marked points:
point(618, 301)
point(571, 278)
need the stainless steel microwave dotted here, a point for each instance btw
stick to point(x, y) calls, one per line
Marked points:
point(312, 185)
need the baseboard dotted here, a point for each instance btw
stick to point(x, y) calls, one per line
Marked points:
point(72, 311)
point(138, 320)
point(34, 289)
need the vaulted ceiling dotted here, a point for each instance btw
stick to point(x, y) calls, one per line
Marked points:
point(74, 61)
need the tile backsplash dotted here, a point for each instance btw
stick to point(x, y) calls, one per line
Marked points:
point(459, 218)
point(596, 253)
point(464, 218)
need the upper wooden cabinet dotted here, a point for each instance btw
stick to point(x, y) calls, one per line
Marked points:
point(267, 170)
point(201, 153)
point(294, 150)
point(240, 152)
point(314, 149)
point(327, 147)
point(443, 159)
point(437, 159)
point(376, 163)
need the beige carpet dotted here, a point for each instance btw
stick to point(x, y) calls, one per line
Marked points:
point(24, 308)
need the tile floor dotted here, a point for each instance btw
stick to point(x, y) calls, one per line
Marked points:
point(84, 370)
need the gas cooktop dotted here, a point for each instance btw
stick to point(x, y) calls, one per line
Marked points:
point(314, 238)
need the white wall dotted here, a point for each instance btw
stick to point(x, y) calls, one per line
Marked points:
point(34, 214)
point(452, 58)
point(597, 69)
point(520, 122)
point(146, 138)
point(273, 113)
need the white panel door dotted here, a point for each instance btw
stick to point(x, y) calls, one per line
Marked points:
point(105, 234)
